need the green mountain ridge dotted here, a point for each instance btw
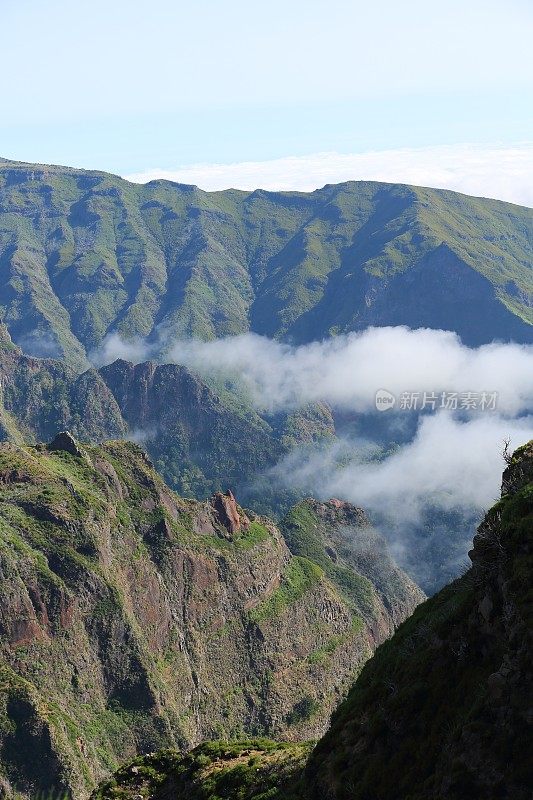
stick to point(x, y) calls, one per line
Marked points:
point(83, 254)
point(442, 710)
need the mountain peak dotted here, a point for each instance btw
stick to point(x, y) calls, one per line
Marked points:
point(66, 442)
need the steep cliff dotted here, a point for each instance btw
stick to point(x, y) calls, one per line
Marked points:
point(338, 536)
point(133, 620)
point(443, 710)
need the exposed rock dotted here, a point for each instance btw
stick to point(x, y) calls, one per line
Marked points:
point(138, 620)
point(227, 512)
point(65, 441)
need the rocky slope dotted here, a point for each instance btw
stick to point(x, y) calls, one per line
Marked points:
point(86, 253)
point(132, 619)
point(443, 710)
point(339, 537)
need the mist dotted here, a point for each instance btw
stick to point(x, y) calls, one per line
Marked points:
point(427, 497)
point(347, 371)
point(451, 464)
point(427, 478)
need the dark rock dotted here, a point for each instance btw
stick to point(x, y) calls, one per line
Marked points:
point(66, 441)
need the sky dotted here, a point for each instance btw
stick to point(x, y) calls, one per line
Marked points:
point(286, 95)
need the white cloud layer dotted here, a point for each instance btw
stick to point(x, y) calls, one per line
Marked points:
point(501, 172)
point(451, 464)
point(347, 371)
point(428, 496)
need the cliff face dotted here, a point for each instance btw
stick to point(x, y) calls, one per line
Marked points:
point(134, 620)
point(443, 710)
point(39, 396)
point(338, 536)
point(197, 442)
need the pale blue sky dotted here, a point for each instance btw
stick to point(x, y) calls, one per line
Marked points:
point(132, 86)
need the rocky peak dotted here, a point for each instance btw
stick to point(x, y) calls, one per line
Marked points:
point(227, 512)
point(336, 503)
point(337, 511)
point(494, 542)
point(65, 441)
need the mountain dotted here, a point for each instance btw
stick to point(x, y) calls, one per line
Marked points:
point(39, 396)
point(133, 620)
point(84, 253)
point(201, 441)
point(338, 536)
point(442, 710)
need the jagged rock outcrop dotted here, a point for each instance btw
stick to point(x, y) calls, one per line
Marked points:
point(132, 619)
point(227, 513)
point(66, 442)
point(198, 442)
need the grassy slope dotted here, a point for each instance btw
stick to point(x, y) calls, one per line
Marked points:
point(256, 769)
point(84, 253)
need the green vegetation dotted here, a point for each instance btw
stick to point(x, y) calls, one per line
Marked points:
point(440, 711)
point(84, 253)
point(299, 577)
point(130, 617)
point(328, 536)
point(251, 536)
point(254, 769)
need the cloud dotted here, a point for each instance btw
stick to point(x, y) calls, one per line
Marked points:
point(142, 435)
point(427, 497)
point(502, 172)
point(450, 463)
point(347, 371)
point(40, 344)
point(425, 479)
point(114, 347)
